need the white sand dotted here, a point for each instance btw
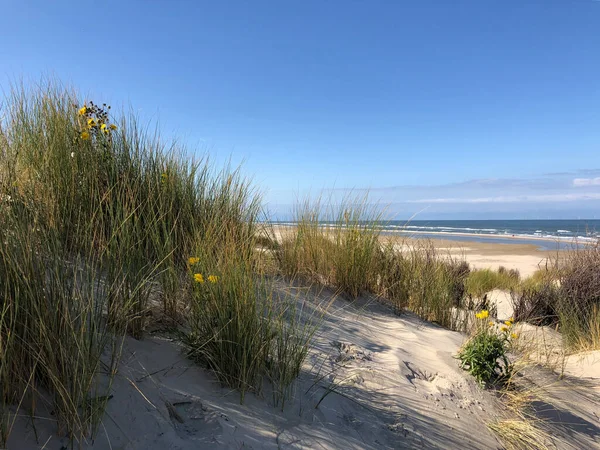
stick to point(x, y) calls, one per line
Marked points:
point(395, 381)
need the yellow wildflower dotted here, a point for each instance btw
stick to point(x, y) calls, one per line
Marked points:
point(514, 335)
point(91, 122)
point(113, 126)
point(213, 278)
point(103, 127)
point(163, 178)
point(193, 260)
point(82, 110)
point(483, 314)
point(199, 278)
point(85, 135)
point(508, 323)
point(492, 323)
point(504, 329)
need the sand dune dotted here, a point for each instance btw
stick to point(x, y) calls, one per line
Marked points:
point(372, 380)
point(379, 380)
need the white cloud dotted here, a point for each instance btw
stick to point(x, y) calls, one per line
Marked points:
point(578, 182)
point(549, 198)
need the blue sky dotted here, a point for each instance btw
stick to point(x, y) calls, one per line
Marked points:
point(449, 109)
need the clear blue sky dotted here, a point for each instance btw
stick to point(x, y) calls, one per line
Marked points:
point(460, 108)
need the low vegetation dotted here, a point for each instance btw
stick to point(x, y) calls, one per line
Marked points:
point(566, 296)
point(335, 245)
point(481, 281)
point(485, 355)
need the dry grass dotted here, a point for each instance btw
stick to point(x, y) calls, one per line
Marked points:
point(566, 296)
point(519, 434)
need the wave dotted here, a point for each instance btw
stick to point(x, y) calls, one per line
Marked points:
point(433, 229)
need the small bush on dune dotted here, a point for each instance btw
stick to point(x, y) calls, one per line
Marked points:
point(566, 296)
point(485, 355)
point(578, 305)
point(536, 305)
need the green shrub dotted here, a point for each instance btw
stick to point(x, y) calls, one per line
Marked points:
point(484, 355)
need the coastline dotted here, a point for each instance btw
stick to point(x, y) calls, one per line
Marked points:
point(556, 239)
point(543, 243)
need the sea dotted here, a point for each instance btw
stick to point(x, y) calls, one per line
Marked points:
point(545, 234)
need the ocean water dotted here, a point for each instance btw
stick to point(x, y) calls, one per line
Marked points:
point(545, 234)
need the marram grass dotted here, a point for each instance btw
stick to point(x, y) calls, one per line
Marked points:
point(97, 221)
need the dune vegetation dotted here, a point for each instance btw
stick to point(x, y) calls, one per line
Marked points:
point(104, 226)
point(104, 229)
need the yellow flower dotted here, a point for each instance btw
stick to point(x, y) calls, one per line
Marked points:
point(103, 127)
point(82, 110)
point(514, 335)
point(199, 278)
point(492, 323)
point(113, 126)
point(213, 278)
point(193, 260)
point(504, 329)
point(483, 314)
point(163, 178)
point(91, 122)
point(508, 323)
point(85, 135)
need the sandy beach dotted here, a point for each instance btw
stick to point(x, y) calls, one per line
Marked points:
point(526, 258)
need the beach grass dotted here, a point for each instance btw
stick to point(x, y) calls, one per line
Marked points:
point(417, 277)
point(353, 258)
point(481, 281)
point(98, 219)
point(334, 244)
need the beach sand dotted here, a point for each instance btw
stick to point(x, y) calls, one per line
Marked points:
point(526, 258)
point(372, 380)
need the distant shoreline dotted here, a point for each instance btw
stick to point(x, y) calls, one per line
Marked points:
point(559, 243)
point(571, 240)
point(556, 239)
